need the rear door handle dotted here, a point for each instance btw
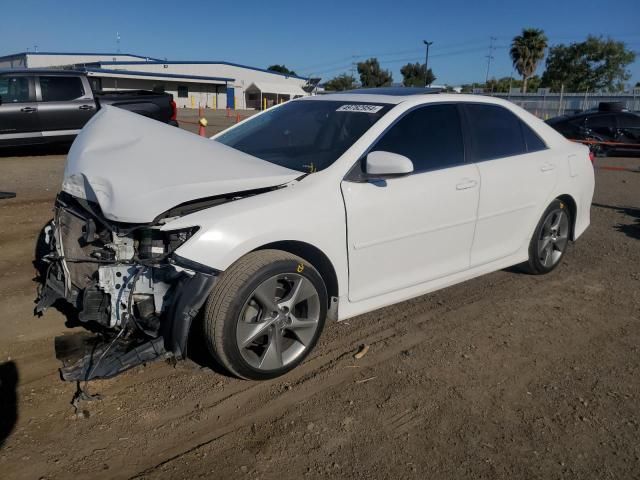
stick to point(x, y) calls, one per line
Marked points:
point(29, 109)
point(86, 107)
point(547, 167)
point(466, 184)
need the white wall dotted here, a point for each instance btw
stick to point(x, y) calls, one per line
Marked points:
point(198, 94)
point(244, 77)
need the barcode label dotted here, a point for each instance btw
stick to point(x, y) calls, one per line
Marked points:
point(360, 108)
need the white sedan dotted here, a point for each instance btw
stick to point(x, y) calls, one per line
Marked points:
point(324, 207)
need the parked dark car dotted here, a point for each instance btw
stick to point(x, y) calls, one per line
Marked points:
point(609, 123)
point(43, 106)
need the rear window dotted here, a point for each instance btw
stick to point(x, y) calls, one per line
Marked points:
point(629, 121)
point(306, 135)
point(495, 132)
point(60, 89)
point(14, 89)
point(531, 139)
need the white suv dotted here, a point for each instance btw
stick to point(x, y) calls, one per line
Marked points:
point(326, 206)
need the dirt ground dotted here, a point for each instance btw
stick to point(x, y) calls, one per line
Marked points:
point(506, 376)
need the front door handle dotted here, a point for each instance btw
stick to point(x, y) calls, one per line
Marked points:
point(29, 109)
point(86, 107)
point(467, 183)
point(547, 167)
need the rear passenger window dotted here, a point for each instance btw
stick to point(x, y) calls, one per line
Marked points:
point(430, 137)
point(531, 139)
point(495, 132)
point(14, 89)
point(60, 89)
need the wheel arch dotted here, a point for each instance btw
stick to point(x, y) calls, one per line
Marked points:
point(314, 256)
point(573, 211)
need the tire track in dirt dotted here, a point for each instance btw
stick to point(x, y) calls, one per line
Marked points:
point(319, 374)
point(179, 431)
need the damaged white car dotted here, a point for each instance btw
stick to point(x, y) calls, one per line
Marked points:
point(323, 207)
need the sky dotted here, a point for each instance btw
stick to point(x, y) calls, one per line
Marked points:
point(317, 38)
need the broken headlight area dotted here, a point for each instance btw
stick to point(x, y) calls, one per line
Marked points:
point(126, 282)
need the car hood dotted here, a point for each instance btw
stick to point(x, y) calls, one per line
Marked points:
point(136, 168)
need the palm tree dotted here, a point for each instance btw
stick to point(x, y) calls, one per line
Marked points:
point(527, 50)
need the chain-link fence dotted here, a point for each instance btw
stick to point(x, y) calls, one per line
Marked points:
point(548, 105)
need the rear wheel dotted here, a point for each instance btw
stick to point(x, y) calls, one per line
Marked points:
point(550, 239)
point(265, 314)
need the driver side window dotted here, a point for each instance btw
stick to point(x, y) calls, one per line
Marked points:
point(430, 136)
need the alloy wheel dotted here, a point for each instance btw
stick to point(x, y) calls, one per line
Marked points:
point(554, 237)
point(278, 321)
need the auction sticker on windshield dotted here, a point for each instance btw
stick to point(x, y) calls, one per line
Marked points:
point(360, 108)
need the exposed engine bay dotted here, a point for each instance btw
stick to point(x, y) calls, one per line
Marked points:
point(124, 280)
point(109, 251)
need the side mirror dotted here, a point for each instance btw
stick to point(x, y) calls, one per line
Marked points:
point(383, 164)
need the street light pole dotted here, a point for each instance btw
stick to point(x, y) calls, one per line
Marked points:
point(426, 63)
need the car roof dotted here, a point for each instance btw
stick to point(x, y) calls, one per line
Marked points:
point(390, 95)
point(393, 91)
point(397, 95)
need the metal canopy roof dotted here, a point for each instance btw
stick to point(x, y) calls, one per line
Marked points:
point(101, 72)
point(277, 88)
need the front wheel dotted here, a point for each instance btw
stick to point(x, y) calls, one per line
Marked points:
point(265, 314)
point(550, 239)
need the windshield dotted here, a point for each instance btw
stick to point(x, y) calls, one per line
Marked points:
point(306, 135)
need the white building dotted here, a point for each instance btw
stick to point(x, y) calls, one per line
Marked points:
point(211, 84)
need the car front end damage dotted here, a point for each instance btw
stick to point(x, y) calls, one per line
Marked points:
point(125, 281)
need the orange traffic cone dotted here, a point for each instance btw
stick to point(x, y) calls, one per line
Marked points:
point(203, 124)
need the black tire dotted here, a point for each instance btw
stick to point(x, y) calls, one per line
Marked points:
point(535, 265)
point(229, 296)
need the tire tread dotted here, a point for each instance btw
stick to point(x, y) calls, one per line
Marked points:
point(223, 294)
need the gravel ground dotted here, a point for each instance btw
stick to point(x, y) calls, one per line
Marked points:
point(506, 376)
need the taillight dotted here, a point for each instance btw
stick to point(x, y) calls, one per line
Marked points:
point(174, 110)
point(592, 157)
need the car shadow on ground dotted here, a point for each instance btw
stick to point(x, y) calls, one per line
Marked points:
point(8, 399)
point(36, 150)
point(197, 350)
point(631, 229)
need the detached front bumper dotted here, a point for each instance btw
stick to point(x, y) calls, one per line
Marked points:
point(142, 308)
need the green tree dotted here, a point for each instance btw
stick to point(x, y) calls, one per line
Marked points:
point(339, 83)
point(595, 64)
point(372, 75)
point(281, 69)
point(413, 75)
point(469, 87)
point(502, 85)
point(527, 49)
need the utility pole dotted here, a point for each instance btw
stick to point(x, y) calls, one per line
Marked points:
point(489, 58)
point(118, 42)
point(353, 68)
point(426, 63)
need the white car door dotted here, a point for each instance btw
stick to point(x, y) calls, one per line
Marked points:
point(517, 175)
point(407, 230)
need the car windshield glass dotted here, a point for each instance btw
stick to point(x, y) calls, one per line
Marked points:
point(305, 135)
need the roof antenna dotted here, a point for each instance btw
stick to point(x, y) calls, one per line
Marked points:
point(118, 42)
